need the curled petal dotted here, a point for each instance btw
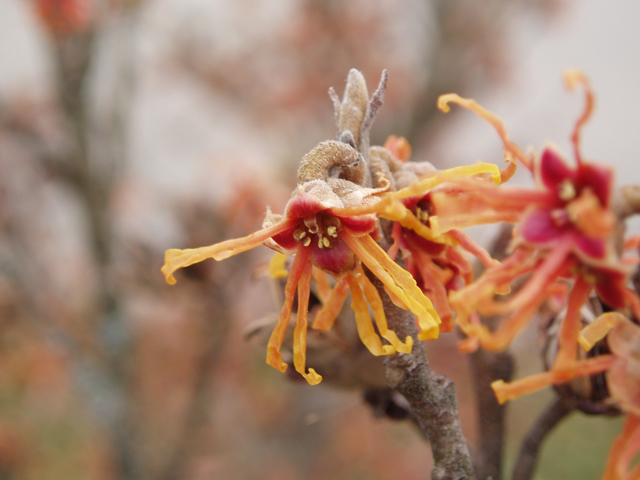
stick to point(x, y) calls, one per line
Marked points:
point(451, 174)
point(468, 244)
point(498, 124)
point(572, 79)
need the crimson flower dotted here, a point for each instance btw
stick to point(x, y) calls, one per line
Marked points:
point(565, 229)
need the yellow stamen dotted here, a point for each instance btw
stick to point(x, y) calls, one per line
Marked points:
point(307, 242)
point(277, 266)
point(326, 242)
point(567, 191)
point(397, 212)
point(332, 231)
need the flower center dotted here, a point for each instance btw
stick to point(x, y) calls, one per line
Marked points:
point(318, 228)
point(567, 191)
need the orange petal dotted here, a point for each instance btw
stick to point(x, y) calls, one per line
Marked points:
point(332, 306)
point(323, 287)
point(509, 391)
point(300, 332)
point(498, 124)
point(274, 357)
point(570, 327)
point(399, 147)
point(622, 451)
point(572, 79)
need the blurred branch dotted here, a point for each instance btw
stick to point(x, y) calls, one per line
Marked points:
point(528, 456)
point(486, 367)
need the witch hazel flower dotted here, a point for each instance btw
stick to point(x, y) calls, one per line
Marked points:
point(565, 230)
point(436, 261)
point(331, 227)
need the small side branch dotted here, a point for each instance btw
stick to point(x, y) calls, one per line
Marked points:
point(528, 457)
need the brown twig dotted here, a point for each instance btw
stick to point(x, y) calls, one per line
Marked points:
point(432, 397)
point(528, 456)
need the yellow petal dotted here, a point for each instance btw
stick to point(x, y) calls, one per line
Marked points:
point(373, 297)
point(175, 259)
point(423, 186)
point(599, 328)
point(366, 332)
point(277, 266)
point(397, 280)
point(327, 315)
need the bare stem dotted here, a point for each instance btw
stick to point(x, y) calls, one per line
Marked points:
point(528, 457)
point(432, 397)
point(487, 367)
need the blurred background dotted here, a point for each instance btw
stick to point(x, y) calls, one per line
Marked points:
point(131, 126)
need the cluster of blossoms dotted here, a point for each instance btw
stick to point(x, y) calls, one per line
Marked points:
point(332, 223)
point(567, 236)
point(352, 199)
